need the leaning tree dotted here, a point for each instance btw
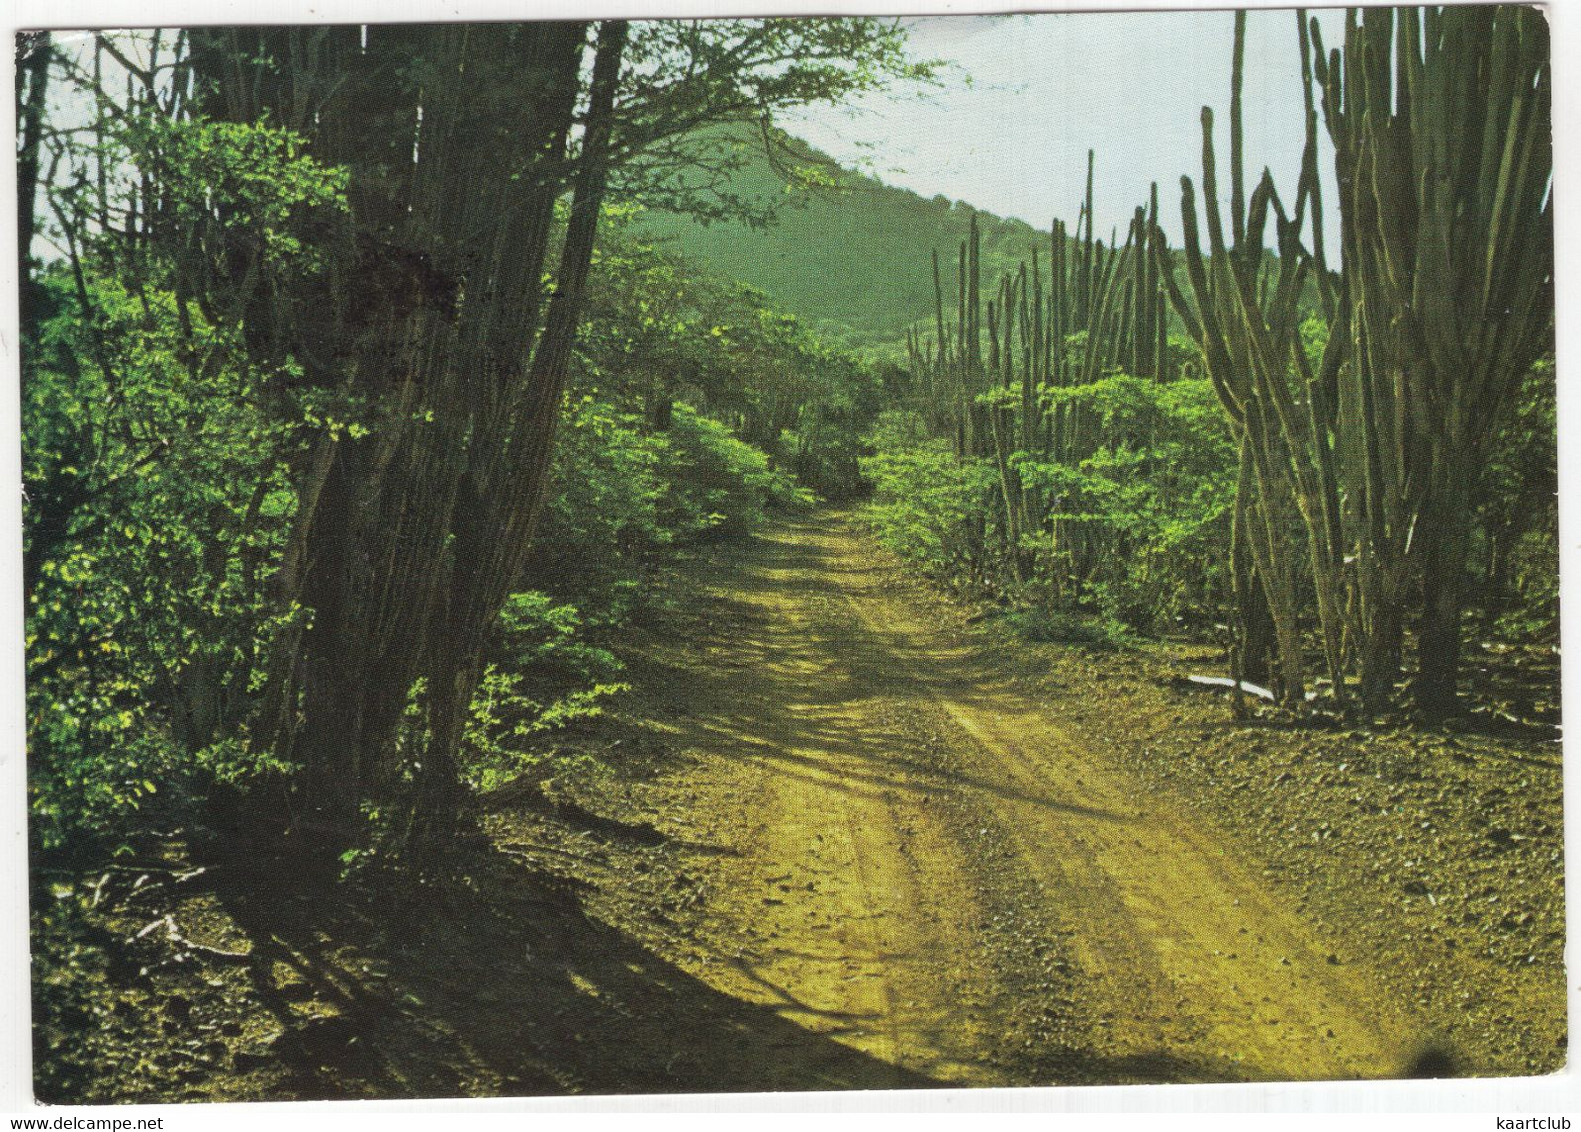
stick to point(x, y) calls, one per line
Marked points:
point(477, 160)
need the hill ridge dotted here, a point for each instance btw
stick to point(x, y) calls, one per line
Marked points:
point(853, 261)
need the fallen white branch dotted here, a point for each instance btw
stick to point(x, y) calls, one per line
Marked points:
point(1228, 682)
point(174, 935)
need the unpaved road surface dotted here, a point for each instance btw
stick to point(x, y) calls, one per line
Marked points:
point(836, 836)
point(923, 863)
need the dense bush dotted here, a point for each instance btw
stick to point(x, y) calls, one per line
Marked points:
point(719, 485)
point(923, 497)
point(1132, 528)
point(157, 507)
point(1154, 496)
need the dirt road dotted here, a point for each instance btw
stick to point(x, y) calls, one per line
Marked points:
point(835, 837)
point(925, 865)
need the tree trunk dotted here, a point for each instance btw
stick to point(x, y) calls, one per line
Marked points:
point(34, 72)
point(1380, 656)
point(496, 527)
point(1447, 530)
point(407, 549)
point(660, 408)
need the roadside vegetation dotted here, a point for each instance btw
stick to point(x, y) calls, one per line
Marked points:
point(358, 487)
point(1346, 467)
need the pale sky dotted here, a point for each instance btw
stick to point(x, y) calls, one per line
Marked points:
point(1025, 97)
point(1043, 89)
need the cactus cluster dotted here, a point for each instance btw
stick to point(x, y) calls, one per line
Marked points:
point(990, 377)
point(1441, 125)
point(1359, 463)
point(1441, 304)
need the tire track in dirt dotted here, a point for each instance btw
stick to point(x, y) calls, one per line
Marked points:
point(833, 915)
point(932, 870)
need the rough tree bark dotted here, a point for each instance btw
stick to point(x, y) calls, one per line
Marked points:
point(457, 140)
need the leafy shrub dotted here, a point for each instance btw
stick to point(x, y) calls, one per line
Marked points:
point(157, 463)
point(1155, 496)
point(922, 496)
point(1066, 628)
point(601, 525)
point(545, 675)
point(158, 502)
point(719, 485)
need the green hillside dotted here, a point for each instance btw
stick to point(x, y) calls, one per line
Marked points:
point(854, 259)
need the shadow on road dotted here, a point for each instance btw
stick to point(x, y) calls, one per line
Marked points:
point(793, 692)
point(505, 987)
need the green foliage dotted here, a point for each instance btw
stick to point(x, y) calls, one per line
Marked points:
point(602, 524)
point(922, 496)
point(660, 331)
point(157, 505)
point(621, 494)
point(1314, 340)
point(239, 188)
point(1154, 493)
point(840, 399)
point(1066, 628)
point(719, 485)
point(544, 676)
point(1158, 488)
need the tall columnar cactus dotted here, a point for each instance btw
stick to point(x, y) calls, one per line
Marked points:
point(1103, 310)
point(1441, 124)
point(1245, 315)
point(1358, 463)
